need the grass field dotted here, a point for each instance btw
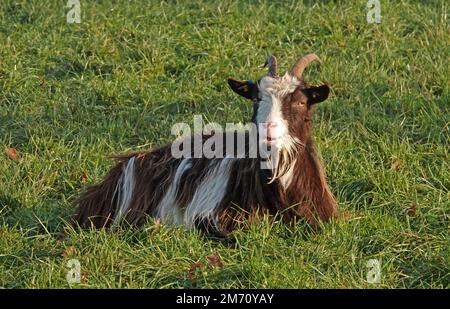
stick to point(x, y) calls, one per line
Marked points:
point(71, 95)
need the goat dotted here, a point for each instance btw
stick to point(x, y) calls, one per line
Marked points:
point(217, 194)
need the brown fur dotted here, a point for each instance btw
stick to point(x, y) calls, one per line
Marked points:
point(249, 193)
point(309, 189)
point(154, 169)
point(96, 205)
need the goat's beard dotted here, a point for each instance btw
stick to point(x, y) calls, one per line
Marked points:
point(283, 158)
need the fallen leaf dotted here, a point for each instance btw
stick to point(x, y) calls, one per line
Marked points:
point(195, 268)
point(440, 259)
point(412, 210)
point(396, 165)
point(214, 260)
point(11, 153)
point(83, 178)
point(69, 251)
point(84, 276)
point(345, 216)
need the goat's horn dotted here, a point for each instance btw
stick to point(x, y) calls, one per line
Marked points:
point(302, 63)
point(272, 63)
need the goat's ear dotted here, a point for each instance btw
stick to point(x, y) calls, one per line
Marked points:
point(317, 94)
point(246, 88)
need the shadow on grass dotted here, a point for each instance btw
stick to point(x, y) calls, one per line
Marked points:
point(38, 219)
point(359, 191)
point(62, 68)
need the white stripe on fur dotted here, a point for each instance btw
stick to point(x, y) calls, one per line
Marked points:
point(168, 209)
point(124, 190)
point(208, 195)
point(272, 92)
point(286, 178)
point(270, 110)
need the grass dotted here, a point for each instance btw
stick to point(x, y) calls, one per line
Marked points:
point(73, 94)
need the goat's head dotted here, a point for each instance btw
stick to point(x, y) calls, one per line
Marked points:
point(283, 106)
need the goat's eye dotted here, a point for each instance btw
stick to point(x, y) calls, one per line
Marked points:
point(299, 103)
point(296, 99)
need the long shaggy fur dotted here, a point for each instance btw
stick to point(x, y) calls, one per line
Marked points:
point(217, 195)
point(248, 191)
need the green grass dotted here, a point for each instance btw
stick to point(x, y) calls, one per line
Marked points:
point(73, 94)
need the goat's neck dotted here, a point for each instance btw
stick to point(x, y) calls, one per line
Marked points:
point(308, 188)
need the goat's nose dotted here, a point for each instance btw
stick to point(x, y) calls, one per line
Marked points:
point(272, 125)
